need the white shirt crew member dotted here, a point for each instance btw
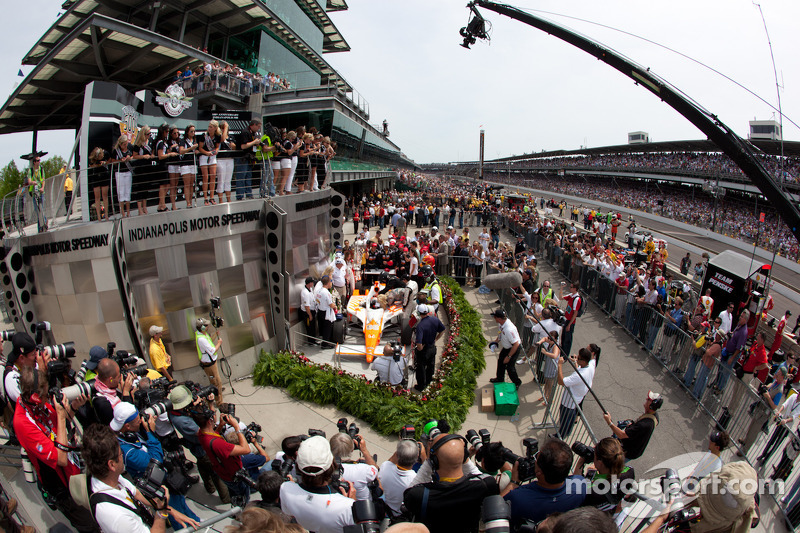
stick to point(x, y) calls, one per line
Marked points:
point(577, 386)
point(322, 513)
point(113, 517)
point(338, 276)
point(394, 481)
point(208, 350)
point(324, 301)
point(307, 302)
point(508, 335)
point(389, 370)
point(727, 321)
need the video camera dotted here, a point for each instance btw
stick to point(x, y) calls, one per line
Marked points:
point(59, 365)
point(351, 430)
point(251, 433)
point(526, 466)
point(243, 477)
point(558, 315)
point(397, 350)
point(283, 467)
point(216, 321)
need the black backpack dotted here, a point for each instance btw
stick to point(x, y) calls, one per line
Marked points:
point(273, 133)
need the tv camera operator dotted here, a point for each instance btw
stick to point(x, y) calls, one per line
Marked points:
point(118, 505)
point(207, 353)
point(453, 502)
point(553, 489)
point(634, 436)
point(391, 366)
point(44, 433)
point(227, 459)
point(319, 501)
point(144, 457)
point(183, 401)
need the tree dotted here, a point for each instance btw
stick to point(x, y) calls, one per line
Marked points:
point(53, 166)
point(11, 179)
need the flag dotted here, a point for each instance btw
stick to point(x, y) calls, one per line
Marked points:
point(21, 75)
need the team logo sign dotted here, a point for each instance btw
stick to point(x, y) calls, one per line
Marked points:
point(128, 125)
point(174, 100)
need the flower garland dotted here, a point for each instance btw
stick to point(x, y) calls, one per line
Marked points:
point(388, 408)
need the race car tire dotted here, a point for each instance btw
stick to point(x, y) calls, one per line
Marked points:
point(339, 331)
point(405, 330)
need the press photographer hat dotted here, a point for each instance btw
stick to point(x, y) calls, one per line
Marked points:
point(201, 322)
point(96, 354)
point(422, 309)
point(124, 412)
point(155, 330)
point(180, 397)
point(23, 343)
point(498, 313)
point(314, 453)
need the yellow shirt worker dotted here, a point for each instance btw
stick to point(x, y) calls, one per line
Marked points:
point(158, 354)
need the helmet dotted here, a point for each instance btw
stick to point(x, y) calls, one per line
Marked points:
point(375, 304)
point(426, 271)
point(384, 276)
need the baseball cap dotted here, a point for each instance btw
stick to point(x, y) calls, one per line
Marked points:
point(180, 397)
point(449, 227)
point(96, 354)
point(155, 330)
point(339, 261)
point(422, 309)
point(23, 343)
point(435, 228)
point(314, 453)
point(309, 279)
point(653, 395)
point(124, 412)
point(200, 322)
point(498, 313)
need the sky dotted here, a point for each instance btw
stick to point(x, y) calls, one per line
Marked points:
point(528, 91)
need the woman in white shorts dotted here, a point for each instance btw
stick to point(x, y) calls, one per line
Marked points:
point(209, 148)
point(225, 157)
point(295, 143)
point(123, 170)
point(188, 149)
point(172, 153)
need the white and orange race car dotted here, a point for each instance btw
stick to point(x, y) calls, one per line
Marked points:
point(375, 322)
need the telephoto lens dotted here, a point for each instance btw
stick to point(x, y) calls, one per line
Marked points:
point(6, 335)
point(81, 372)
point(496, 514)
point(158, 408)
point(366, 517)
point(73, 391)
point(27, 466)
point(670, 484)
point(62, 351)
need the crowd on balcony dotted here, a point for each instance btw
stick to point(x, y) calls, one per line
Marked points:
point(228, 78)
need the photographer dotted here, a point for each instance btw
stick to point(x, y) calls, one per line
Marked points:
point(453, 502)
point(41, 429)
point(359, 474)
point(636, 435)
point(269, 487)
point(226, 458)
point(23, 355)
point(396, 474)
point(491, 461)
point(553, 490)
point(317, 503)
point(183, 402)
point(106, 395)
point(207, 352)
point(390, 366)
point(96, 354)
point(256, 462)
point(609, 472)
point(139, 446)
point(117, 505)
point(289, 447)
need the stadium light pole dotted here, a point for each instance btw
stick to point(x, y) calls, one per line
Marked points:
point(716, 131)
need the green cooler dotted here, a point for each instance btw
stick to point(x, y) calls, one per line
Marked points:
point(506, 399)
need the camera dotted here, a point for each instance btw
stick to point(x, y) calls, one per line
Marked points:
point(526, 466)
point(478, 439)
point(622, 424)
point(496, 514)
point(351, 430)
point(73, 391)
point(143, 399)
point(583, 451)
point(123, 358)
point(216, 321)
point(150, 483)
point(397, 350)
point(408, 432)
point(242, 476)
point(251, 433)
point(157, 409)
point(6, 335)
point(670, 484)
point(283, 467)
point(558, 315)
point(61, 351)
point(41, 327)
point(230, 410)
point(110, 348)
point(140, 371)
point(204, 392)
point(316, 433)
point(365, 517)
point(762, 389)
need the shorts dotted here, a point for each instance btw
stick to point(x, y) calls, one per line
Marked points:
point(124, 183)
point(208, 160)
point(275, 164)
point(174, 169)
point(188, 169)
point(286, 163)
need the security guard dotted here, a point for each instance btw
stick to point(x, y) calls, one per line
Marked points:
point(433, 288)
point(34, 179)
point(207, 353)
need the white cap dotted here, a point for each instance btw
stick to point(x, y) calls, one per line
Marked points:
point(155, 330)
point(422, 309)
point(124, 412)
point(314, 452)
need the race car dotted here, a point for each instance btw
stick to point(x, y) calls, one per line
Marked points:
point(375, 321)
point(638, 236)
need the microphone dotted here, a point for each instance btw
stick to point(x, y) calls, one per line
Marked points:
point(504, 280)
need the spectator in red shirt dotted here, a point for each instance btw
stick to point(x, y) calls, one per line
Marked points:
point(756, 361)
point(35, 424)
point(574, 303)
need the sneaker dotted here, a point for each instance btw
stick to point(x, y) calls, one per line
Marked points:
point(522, 361)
